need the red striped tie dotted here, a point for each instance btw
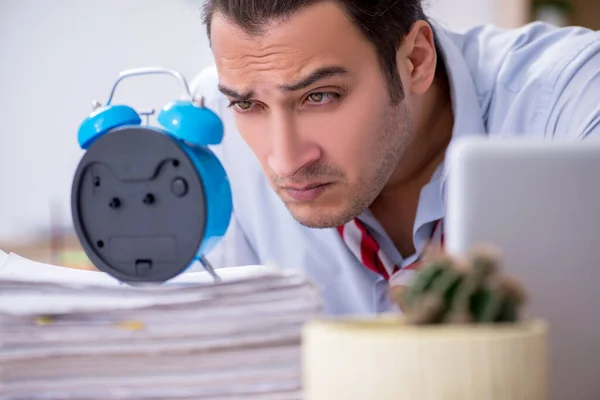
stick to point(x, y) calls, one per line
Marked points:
point(364, 246)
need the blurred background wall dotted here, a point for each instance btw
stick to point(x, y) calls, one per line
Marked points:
point(57, 56)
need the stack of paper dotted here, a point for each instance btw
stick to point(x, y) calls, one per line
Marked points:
point(69, 334)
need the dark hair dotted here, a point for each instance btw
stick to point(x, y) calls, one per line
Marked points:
point(383, 22)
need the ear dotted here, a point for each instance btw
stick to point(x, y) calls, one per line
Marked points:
point(417, 58)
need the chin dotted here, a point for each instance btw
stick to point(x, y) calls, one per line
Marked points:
point(319, 217)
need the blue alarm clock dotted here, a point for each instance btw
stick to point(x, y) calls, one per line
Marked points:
point(149, 201)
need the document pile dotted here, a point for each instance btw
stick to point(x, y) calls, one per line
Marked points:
point(71, 334)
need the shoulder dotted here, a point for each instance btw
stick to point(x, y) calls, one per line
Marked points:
point(522, 76)
point(537, 53)
point(205, 84)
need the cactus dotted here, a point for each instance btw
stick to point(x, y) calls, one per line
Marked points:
point(447, 290)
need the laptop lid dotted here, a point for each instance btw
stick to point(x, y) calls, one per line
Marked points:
point(538, 203)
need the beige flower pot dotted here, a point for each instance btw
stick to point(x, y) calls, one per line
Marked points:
point(384, 359)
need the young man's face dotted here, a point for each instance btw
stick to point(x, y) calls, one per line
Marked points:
point(310, 99)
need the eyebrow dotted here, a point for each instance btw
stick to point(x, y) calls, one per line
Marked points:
point(314, 77)
point(232, 93)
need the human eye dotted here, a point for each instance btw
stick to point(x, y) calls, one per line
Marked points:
point(241, 105)
point(322, 98)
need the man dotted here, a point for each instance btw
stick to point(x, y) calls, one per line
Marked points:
point(338, 115)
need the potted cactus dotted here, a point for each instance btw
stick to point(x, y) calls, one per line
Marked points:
point(460, 336)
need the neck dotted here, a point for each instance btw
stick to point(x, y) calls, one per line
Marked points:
point(396, 205)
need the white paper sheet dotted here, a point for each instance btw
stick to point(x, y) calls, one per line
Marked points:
point(15, 267)
point(19, 268)
point(74, 334)
point(3, 256)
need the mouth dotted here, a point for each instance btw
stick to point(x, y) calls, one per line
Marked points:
point(306, 193)
point(305, 187)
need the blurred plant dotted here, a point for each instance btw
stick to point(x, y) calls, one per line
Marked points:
point(450, 290)
point(557, 12)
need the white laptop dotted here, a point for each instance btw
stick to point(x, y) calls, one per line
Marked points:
point(538, 202)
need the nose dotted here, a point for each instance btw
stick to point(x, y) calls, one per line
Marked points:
point(290, 149)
